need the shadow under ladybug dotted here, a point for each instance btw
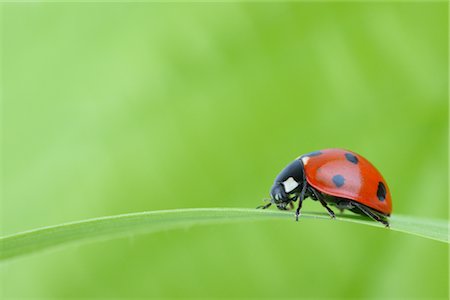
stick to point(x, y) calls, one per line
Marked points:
point(336, 177)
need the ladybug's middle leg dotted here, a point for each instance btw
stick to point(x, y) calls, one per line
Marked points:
point(324, 204)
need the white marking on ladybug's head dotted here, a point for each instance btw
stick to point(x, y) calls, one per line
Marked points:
point(290, 184)
point(305, 160)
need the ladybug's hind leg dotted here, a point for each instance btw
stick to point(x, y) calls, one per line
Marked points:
point(373, 215)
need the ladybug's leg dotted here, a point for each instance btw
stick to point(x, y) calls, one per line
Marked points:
point(371, 214)
point(324, 204)
point(291, 205)
point(330, 211)
point(341, 205)
point(300, 200)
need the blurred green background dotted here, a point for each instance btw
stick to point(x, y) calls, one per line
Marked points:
point(116, 108)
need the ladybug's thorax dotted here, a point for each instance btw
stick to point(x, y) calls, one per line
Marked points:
point(304, 159)
point(294, 172)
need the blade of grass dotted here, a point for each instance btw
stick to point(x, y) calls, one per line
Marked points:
point(121, 225)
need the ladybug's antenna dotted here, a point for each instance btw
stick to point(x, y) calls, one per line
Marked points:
point(265, 205)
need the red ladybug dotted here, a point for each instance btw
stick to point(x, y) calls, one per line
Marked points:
point(337, 177)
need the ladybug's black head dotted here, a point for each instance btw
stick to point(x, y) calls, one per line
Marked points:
point(279, 196)
point(288, 184)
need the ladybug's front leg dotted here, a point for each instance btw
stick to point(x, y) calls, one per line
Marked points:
point(300, 201)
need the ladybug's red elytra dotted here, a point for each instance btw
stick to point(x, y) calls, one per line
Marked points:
point(337, 177)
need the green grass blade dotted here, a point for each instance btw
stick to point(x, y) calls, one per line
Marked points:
point(121, 225)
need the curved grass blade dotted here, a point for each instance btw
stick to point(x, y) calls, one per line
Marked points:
point(153, 221)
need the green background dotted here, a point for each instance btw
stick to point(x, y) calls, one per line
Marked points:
point(115, 108)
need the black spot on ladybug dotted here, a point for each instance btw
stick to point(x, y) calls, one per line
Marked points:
point(381, 191)
point(351, 158)
point(338, 180)
point(315, 153)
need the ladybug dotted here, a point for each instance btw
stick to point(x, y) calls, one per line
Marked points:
point(336, 177)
